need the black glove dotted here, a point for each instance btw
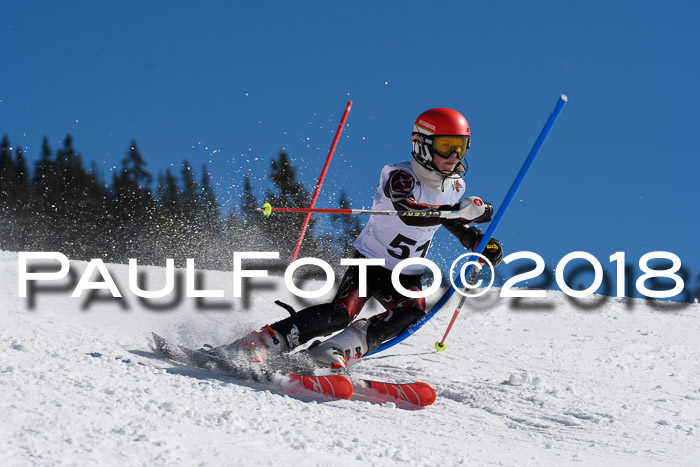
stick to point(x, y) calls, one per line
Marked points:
point(493, 251)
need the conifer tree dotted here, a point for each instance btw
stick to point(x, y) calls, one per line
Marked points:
point(209, 207)
point(8, 173)
point(132, 184)
point(249, 204)
point(8, 197)
point(282, 229)
point(235, 234)
point(43, 184)
point(22, 171)
point(70, 184)
point(43, 170)
point(171, 238)
point(95, 219)
point(168, 194)
point(132, 206)
point(347, 227)
point(28, 209)
point(189, 198)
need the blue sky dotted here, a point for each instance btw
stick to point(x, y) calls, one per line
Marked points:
point(229, 84)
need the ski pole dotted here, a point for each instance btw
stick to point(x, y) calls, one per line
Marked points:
point(440, 345)
point(267, 209)
point(297, 247)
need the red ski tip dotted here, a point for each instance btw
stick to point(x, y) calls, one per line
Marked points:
point(418, 393)
point(335, 386)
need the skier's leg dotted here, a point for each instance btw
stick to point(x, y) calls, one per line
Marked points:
point(390, 324)
point(339, 350)
point(365, 335)
point(317, 320)
point(285, 335)
point(325, 319)
point(401, 312)
point(300, 327)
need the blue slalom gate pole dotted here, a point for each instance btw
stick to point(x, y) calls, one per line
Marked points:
point(491, 229)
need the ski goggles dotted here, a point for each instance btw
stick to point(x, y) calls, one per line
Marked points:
point(444, 146)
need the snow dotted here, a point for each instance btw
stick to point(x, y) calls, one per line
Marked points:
point(613, 382)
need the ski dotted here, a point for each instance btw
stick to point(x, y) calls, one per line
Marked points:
point(417, 394)
point(284, 373)
point(335, 386)
point(332, 386)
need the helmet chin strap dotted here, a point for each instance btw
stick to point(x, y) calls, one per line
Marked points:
point(454, 175)
point(455, 171)
point(426, 158)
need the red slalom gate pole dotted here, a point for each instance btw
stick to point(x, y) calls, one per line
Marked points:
point(307, 218)
point(440, 346)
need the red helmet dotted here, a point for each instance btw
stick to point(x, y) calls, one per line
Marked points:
point(440, 132)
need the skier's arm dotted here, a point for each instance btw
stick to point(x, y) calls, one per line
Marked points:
point(473, 209)
point(470, 210)
point(471, 236)
point(399, 189)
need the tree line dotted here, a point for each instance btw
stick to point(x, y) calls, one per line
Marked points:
point(59, 205)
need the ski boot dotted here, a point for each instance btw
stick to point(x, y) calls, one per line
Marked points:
point(258, 346)
point(338, 351)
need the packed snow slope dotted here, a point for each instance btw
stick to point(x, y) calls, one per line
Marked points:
point(527, 382)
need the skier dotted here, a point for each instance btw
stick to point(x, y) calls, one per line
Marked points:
point(432, 180)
